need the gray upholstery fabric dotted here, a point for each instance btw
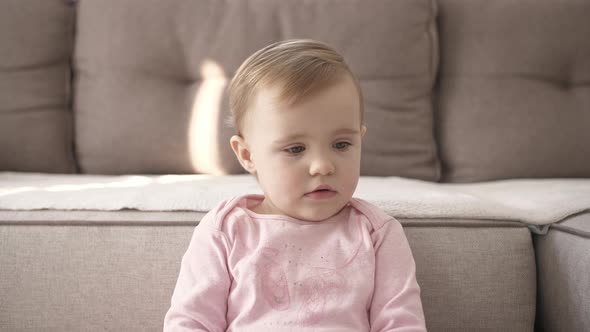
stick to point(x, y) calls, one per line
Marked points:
point(151, 78)
point(476, 276)
point(512, 93)
point(35, 116)
point(563, 260)
point(76, 278)
point(115, 271)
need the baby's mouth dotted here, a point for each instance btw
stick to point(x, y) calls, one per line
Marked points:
point(321, 192)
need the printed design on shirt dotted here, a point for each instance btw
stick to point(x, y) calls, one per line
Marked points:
point(309, 297)
point(273, 280)
point(315, 291)
point(317, 287)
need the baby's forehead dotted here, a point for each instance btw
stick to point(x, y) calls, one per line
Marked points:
point(281, 94)
point(270, 102)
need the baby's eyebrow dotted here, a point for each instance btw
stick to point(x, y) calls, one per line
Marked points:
point(294, 137)
point(287, 139)
point(349, 131)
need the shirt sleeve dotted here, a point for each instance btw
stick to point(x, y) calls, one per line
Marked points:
point(396, 304)
point(199, 301)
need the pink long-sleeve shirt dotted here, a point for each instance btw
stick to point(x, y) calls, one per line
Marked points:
point(245, 271)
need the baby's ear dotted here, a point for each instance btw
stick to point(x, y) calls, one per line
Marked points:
point(363, 130)
point(242, 151)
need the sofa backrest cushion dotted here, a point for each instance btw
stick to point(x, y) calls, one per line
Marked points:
point(513, 94)
point(35, 75)
point(152, 77)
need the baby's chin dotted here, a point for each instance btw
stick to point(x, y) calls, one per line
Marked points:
point(317, 214)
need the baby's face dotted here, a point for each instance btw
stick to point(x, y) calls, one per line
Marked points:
point(306, 156)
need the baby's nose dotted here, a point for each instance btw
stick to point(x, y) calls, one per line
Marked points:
point(321, 166)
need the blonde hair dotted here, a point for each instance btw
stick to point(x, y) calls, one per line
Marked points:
point(299, 66)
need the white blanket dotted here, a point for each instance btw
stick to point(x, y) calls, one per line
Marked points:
point(533, 201)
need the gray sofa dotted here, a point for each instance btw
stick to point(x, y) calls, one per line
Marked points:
point(113, 145)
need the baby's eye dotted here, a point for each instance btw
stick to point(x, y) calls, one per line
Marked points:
point(295, 149)
point(341, 145)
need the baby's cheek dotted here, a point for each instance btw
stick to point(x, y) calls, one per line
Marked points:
point(283, 179)
point(352, 177)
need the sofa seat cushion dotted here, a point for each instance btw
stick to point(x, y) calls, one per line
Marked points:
point(535, 202)
point(563, 263)
point(474, 254)
point(60, 230)
point(60, 265)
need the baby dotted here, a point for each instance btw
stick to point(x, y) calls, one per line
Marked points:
point(305, 256)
